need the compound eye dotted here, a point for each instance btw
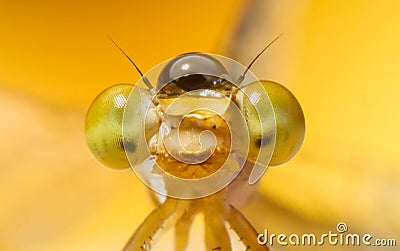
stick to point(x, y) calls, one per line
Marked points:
point(288, 116)
point(103, 127)
point(193, 71)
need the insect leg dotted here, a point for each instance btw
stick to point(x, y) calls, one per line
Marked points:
point(216, 235)
point(182, 228)
point(159, 220)
point(243, 228)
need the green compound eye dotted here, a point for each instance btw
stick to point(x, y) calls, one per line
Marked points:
point(103, 127)
point(290, 124)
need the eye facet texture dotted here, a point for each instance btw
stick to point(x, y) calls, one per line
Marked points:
point(289, 119)
point(103, 127)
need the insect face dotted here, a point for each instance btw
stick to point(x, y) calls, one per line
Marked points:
point(196, 127)
point(190, 136)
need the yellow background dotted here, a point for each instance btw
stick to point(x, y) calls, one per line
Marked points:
point(340, 59)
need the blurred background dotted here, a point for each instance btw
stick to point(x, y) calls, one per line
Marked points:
point(340, 58)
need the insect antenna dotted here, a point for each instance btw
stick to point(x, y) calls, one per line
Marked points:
point(241, 78)
point(145, 80)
